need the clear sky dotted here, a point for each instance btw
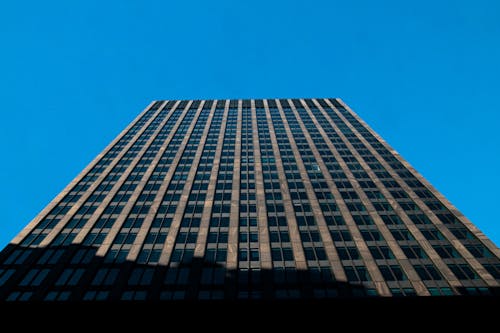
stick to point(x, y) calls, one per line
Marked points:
point(424, 74)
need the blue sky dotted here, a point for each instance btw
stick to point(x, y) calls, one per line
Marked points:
point(423, 74)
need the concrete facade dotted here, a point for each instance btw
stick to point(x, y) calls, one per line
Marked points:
point(248, 199)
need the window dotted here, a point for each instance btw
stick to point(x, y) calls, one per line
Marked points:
point(402, 234)
point(82, 256)
point(356, 206)
point(475, 291)
point(149, 256)
point(70, 277)
point(18, 257)
point(447, 218)
point(493, 269)
point(392, 273)
point(217, 237)
point(419, 219)
point(213, 276)
point(190, 222)
point(95, 238)
point(348, 253)
point(382, 206)
point(254, 255)
point(356, 273)
point(156, 237)
point(141, 276)
point(281, 236)
point(428, 272)
point(349, 195)
point(432, 234)
point(310, 236)
point(414, 252)
point(139, 295)
point(463, 272)
point(19, 296)
point(446, 251)
point(362, 219)
point(118, 256)
point(243, 255)
point(222, 222)
point(105, 276)
point(5, 275)
point(282, 254)
point(315, 253)
point(374, 194)
point(462, 233)
point(391, 219)
point(34, 277)
point(125, 238)
point(187, 237)
point(334, 220)
point(306, 220)
point(184, 256)
point(441, 291)
point(253, 237)
point(397, 292)
point(94, 295)
point(251, 221)
point(177, 276)
point(398, 194)
point(371, 235)
point(58, 296)
point(215, 255)
point(381, 252)
point(340, 235)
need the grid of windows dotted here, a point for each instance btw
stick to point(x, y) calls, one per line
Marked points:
point(247, 199)
point(279, 232)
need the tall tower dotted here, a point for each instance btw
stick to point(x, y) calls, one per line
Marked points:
point(247, 199)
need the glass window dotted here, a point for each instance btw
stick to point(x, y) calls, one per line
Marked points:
point(243, 255)
point(94, 295)
point(392, 273)
point(18, 257)
point(19, 296)
point(414, 252)
point(402, 234)
point(357, 273)
point(105, 276)
point(254, 255)
point(371, 235)
point(391, 219)
point(363, 219)
point(493, 269)
point(479, 251)
point(446, 251)
point(463, 272)
point(70, 277)
point(341, 235)
point(34, 277)
point(432, 234)
point(348, 253)
point(428, 272)
point(381, 252)
point(5, 275)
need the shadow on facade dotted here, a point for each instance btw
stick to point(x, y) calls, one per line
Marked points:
point(74, 274)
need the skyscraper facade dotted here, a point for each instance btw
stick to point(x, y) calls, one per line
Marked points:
point(248, 199)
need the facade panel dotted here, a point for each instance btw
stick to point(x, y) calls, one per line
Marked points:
point(248, 199)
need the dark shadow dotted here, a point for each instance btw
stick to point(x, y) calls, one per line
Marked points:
point(195, 279)
point(74, 274)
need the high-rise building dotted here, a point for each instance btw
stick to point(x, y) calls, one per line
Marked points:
point(248, 199)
